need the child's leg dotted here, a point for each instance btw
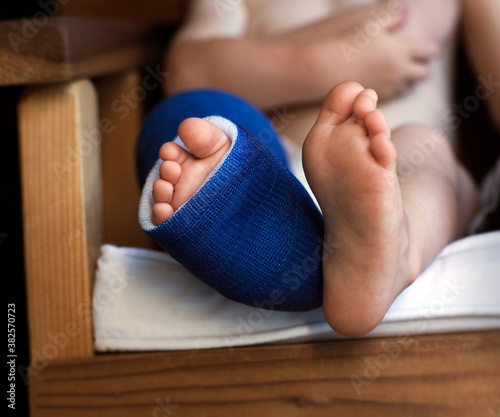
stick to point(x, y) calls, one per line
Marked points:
point(385, 228)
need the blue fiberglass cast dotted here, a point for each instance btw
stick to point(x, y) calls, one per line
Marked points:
point(251, 231)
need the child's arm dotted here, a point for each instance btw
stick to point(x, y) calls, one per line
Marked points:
point(213, 49)
point(295, 67)
point(268, 73)
point(482, 38)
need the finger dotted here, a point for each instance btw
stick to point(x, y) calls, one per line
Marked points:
point(417, 71)
point(425, 51)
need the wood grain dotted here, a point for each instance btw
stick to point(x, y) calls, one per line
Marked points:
point(65, 48)
point(62, 211)
point(439, 375)
point(120, 121)
point(162, 11)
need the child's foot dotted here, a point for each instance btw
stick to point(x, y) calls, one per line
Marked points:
point(350, 164)
point(181, 173)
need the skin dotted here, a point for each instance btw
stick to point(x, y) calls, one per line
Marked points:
point(385, 240)
point(398, 58)
point(382, 233)
point(312, 51)
point(385, 228)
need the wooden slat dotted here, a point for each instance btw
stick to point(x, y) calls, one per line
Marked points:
point(62, 214)
point(164, 11)
point(121, 103)
point(65, 48)
point(441, 375)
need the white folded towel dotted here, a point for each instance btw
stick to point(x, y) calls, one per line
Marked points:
point(144, 300)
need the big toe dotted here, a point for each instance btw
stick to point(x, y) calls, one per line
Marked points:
point(202, 138)
point(337, 106)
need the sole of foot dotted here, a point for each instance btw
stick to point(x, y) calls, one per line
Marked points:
point(350, 164)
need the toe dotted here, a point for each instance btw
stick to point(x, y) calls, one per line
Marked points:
point(376, 123)
point(203, 138)
point(338, 105)
point(162, 212)
point(170, 151)
point(170, 171)
point(380, 143)
point(162, 191)
point(365, 103)
point(384, 151)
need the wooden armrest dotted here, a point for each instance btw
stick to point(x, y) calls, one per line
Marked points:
point(66, 48)
point(62, 211)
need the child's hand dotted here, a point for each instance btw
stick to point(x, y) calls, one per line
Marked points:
point(388, 57)
point(394, 61)
point(380, 48)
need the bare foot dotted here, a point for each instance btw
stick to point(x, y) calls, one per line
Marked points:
point(350, 164)
point(181, 173)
